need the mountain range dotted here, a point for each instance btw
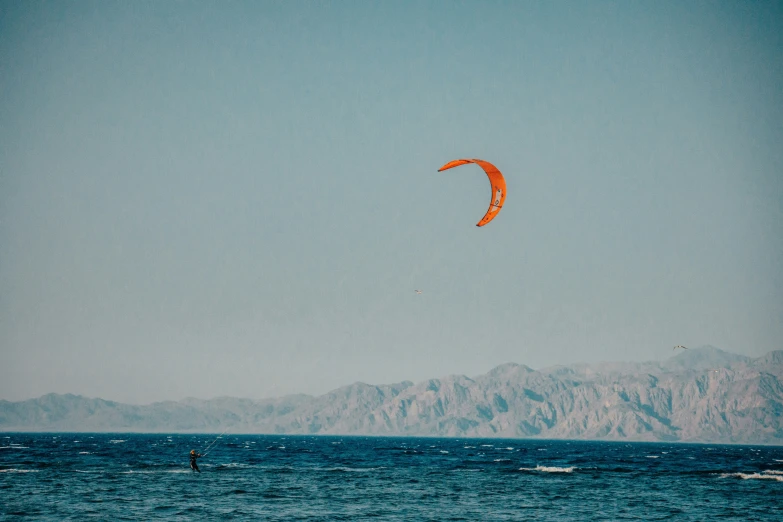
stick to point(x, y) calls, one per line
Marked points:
point(699, 395)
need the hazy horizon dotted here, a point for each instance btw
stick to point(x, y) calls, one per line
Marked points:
point(211, 199)
point(348, 384)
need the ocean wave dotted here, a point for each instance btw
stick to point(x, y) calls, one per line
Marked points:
point(117, 441)
point(151, 472)
point(347, 469)
point(764, 475)
point(15, 470)
point(550, 469)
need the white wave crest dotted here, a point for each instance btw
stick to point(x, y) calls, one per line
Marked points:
point(14, 470)
point(151, 472)
point(766, 475)
point(550, 469)
point(353, 470)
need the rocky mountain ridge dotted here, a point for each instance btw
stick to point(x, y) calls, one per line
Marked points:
point(700, 395)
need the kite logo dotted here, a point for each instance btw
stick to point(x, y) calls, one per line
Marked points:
point(496, 204)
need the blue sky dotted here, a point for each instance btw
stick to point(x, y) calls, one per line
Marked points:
point(239, 198)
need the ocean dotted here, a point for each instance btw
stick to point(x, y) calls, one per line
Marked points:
point(79, 476)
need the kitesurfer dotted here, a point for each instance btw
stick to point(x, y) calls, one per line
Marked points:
point(193, 457)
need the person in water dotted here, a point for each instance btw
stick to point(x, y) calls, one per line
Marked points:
point(193, 457)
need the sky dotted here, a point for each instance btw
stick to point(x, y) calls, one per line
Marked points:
point(203, 199)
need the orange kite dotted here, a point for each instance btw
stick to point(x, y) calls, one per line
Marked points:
point(495, 179)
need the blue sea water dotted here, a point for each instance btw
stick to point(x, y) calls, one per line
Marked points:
point(59, 476)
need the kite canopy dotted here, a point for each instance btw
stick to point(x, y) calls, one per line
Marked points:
point(495, 179)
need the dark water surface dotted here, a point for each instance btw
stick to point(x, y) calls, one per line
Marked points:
point(60, 476)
